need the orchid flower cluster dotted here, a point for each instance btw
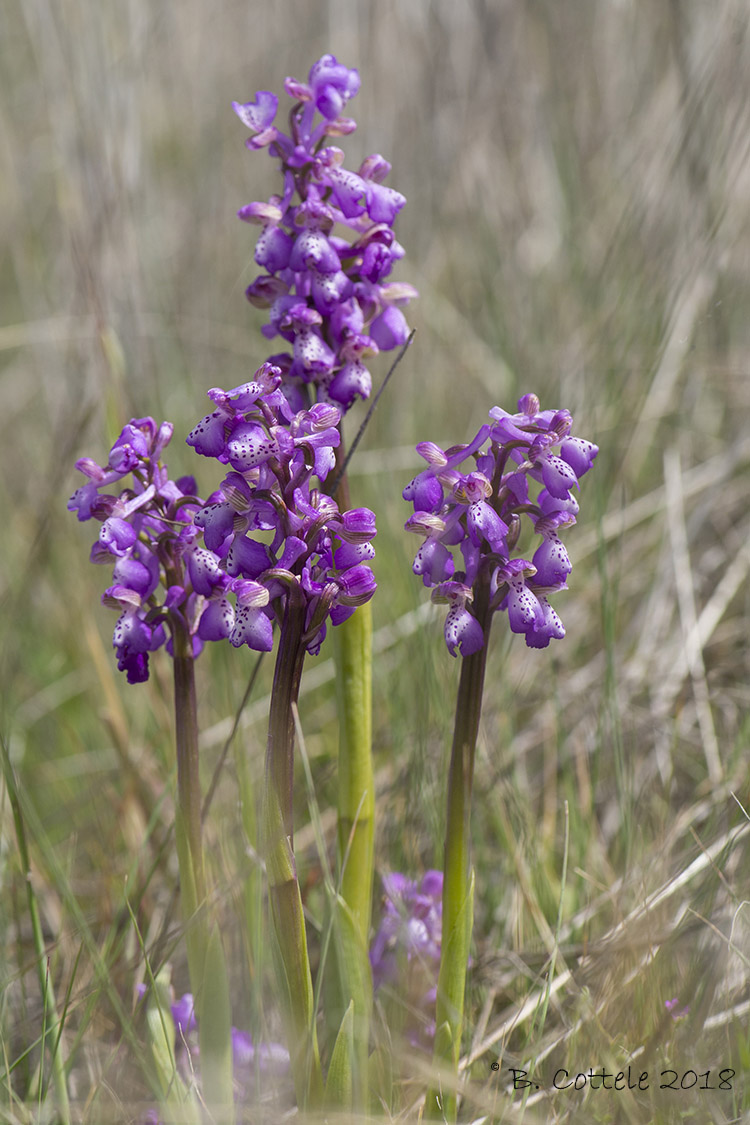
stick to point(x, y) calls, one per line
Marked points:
point(405, 951)
point(148, 533)
point(272, 547)
point(153, 530)
point(480, 513)
point(315, 549)
point(327, 294)
point(250, 1061)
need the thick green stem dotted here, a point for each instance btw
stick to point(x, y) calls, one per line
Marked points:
point(356, 824)
point(356, 808)
point(292, 961)
point(206, 964)
point(356, 795)
point(457, 875)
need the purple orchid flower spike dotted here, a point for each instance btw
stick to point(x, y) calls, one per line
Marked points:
point(147, 534)
point(471, 505)
point(480, 514)
point(326, 242)
point(278, 459)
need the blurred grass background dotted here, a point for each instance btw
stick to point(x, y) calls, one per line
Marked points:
point(578, 189)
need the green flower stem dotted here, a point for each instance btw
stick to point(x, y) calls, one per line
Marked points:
point(457, 875)
point(356, 820)
point(292, 961)
point(356, 796)
point(206, 964)
point(356, 803)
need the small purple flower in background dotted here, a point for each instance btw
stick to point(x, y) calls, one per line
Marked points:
point(251, 1062)
point(524, 468)
point(405, 952)
point(272, 528)
point(147, 535)
point(676, 1014)
point(326, 242)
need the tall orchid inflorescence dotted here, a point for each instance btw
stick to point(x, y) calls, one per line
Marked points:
point(275, 455)
point(327, 244)
point(482, 512)
point(160, 567)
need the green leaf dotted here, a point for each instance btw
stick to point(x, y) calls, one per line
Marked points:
point(178, 1103)
point(161, 1031)
point(339, 1084)
point(355, 984)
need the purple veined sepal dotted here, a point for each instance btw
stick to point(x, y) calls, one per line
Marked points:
point(130, 449)
point(138, 571)
point(356, 585)
point(253, 625)
point(357, 525)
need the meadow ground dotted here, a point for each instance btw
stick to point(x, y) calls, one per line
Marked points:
point(578, 185)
